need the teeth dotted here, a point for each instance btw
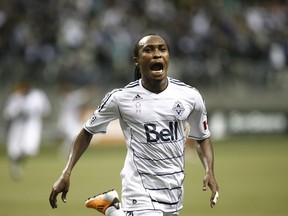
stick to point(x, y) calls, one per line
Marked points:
point(158, 71)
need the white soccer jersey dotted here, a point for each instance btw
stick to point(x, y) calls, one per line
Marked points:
point(154, 130)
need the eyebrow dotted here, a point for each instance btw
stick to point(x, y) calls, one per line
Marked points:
point(152, 45)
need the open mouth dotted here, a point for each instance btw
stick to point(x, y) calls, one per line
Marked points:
point(157, 67)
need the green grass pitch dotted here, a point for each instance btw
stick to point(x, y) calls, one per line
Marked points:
point(251, 171)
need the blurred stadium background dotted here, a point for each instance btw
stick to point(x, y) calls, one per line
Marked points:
point(235, 52)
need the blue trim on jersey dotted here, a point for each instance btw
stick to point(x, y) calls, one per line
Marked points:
point(179, 83)
point(132, 84)
point(165, 203)
point(107, 97)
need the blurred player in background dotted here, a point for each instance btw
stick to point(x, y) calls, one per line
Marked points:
point(72, 104)
point(153, 111)
point(24, 110)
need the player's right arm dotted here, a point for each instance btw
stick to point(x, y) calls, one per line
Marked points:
point(106, 112)
point(80, 145)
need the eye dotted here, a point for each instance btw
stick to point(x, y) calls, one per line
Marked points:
point(163, 49)
point(147, 49)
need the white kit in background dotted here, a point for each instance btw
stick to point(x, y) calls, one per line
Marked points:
point(24, 111)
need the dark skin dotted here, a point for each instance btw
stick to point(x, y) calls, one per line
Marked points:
point(152, 50)
point(206, 154)
point(80, 145)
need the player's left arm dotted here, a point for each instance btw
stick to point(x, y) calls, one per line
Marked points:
point(199, 131)
point(206, 154)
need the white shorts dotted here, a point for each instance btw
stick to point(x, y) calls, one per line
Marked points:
point(150, 213)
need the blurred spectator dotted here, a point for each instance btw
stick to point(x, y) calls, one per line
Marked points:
point(221, 44)
point(210, 35)
point(24, 110)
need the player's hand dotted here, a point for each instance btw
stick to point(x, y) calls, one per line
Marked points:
point(60, 186)
point(210, 181)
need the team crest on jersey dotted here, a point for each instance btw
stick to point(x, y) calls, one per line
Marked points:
point(178, 109)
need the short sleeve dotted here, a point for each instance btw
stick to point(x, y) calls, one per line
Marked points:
point(103, 115)
point(198, 121)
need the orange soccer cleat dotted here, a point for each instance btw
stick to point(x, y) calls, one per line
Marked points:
point(104, 200)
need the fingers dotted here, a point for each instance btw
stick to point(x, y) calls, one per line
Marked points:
point(205, 185)
point(214, 199)
point(53, 199)
point(63, 196)
point(208, 183)
point(60, 186)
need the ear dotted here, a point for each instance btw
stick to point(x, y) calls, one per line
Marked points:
point(135, 60)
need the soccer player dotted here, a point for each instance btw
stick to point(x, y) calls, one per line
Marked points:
point(25, 109)
point(153, 111)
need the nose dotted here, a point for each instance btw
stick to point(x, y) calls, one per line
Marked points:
point(157, 53)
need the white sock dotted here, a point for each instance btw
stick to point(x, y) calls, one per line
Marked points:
point(112, 211)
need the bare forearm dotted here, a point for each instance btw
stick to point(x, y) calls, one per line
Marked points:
point(80, 145)
point(206, 154)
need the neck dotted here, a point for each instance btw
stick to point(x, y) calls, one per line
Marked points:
point(155, 86)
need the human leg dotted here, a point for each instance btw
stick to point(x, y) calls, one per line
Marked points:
point(15, 151)
point(108, 203)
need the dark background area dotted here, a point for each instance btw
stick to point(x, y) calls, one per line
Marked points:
point(234, 52)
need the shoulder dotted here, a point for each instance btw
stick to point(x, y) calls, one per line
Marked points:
point(120, 92)
point(130, 87)
point(187, 91)
point(183, 86)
